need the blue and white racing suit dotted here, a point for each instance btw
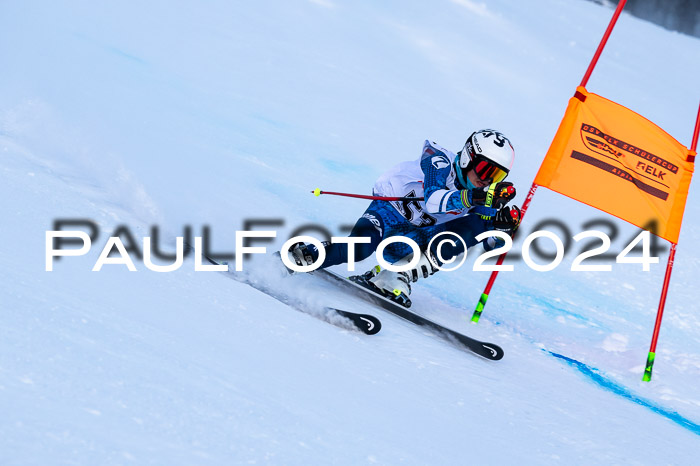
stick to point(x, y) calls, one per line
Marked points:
point(445, 208)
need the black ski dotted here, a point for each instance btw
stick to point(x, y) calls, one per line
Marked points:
point(487, 350)
point(365, 323)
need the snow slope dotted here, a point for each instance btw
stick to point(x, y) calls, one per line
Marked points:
point(214, 113)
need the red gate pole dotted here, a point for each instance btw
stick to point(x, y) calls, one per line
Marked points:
point(659, 315)
point(602, 43)
point(485, 295)
point(669, 268)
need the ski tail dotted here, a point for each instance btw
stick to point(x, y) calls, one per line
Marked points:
point(366, 323)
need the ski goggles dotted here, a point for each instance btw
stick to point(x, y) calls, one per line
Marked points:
point(487, 170)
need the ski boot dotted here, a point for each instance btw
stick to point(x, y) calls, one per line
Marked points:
point(302, 255)
point(396, 286)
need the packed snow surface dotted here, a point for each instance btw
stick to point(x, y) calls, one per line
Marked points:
point(210, 115)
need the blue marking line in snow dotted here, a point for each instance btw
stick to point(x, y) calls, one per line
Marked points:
point(344, 167)
point(279, 124)
point(113, 50)
point(610, 385)
point(550, 308)
point(126, 55)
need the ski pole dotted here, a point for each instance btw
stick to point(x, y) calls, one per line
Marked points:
point(317, 192)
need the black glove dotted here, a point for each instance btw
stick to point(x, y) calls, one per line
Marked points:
point(507, 219)
point(474, 197)
point(499, 194)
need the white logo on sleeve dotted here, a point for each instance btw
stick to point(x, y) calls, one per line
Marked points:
point(440, 161)
point(374, 221)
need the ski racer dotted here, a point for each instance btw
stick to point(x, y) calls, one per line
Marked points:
point(464, 193)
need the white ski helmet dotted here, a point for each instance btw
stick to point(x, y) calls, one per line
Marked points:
point(489, 153)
